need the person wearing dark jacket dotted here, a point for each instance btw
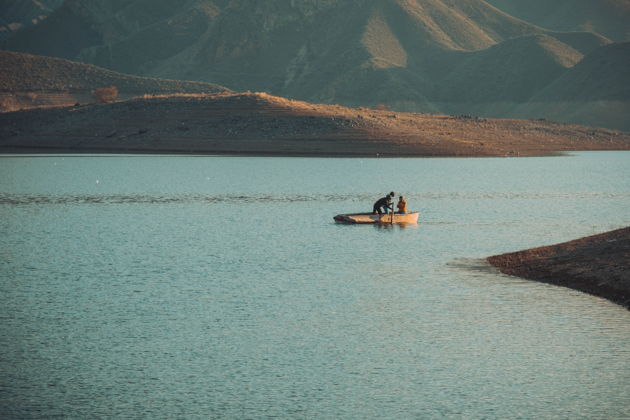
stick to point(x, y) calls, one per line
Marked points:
point(384, 204)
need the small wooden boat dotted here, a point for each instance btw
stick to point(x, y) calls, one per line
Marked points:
point(363, 218)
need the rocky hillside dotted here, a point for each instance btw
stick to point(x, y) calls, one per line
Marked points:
point(27, 81)
point(455, 56)
point(260, 124)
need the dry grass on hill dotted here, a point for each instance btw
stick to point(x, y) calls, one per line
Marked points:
point(258, 123)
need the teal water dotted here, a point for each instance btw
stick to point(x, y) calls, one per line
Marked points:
point(220, 287)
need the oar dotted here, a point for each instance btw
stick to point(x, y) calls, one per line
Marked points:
point(392, 219)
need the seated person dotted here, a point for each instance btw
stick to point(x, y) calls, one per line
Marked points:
point(402, 205)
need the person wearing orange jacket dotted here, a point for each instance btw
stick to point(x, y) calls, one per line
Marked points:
point(402, 205)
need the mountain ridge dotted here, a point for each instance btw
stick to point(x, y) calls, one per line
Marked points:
point(456, 56)
point(608, 17)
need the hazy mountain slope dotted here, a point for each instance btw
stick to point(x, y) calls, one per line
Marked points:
point(27, 80)
point(18, 14)
point(596, 91)
point(584, 42)
point(65, 33)
point(602, 75)
point(608, 17)
point(510, 71)
point(352, 52)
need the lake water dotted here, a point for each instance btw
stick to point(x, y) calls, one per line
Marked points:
point(220, 287)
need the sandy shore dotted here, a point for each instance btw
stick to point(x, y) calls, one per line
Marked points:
point(599, 265)
point(265, 125)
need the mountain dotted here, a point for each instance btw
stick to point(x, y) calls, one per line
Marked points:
point(261, 124)
point(456, 56)
point(595, 91)
point(27, 80)
point(18, 14)
point(610, 18)
point(510, 71)
point(492, 82)
point(324, 50)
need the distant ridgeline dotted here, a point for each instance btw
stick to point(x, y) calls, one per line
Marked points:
point(500, 58)
point(28, 81)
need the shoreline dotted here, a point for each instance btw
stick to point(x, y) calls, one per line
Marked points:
point(598, 265)
point(256, 124)
point(10, 151)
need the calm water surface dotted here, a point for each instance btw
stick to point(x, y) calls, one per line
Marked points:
point(219, 287)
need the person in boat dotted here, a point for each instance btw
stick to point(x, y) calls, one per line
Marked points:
point(402, 205)
point(384, 204)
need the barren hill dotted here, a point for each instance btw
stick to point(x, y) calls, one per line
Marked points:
point(254, 123)
point(27, 80)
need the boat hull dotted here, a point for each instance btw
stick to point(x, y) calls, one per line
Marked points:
point(371, 218)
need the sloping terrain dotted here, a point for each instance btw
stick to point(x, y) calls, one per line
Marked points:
point(455, 56)
point(498, 80)
point(509, 71)
point(345, 51)
point(595, 91)
point(608, 17)
point(18, 14)
point(27, 80)
point(597, 264)
point(254, 123)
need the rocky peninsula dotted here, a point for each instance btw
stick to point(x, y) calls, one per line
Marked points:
point(598, 265)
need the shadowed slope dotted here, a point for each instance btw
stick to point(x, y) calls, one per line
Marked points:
point(509, 71)
point(608, 17)
point(15, 15)
point(603, 96)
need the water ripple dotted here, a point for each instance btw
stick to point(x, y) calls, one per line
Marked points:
point(41, 199)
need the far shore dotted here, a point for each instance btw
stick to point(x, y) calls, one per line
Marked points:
point(598, 265)
point(43, 151)
point(257, 124)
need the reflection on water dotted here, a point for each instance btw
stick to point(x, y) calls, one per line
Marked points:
point(220, 287)
point(394, 226)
